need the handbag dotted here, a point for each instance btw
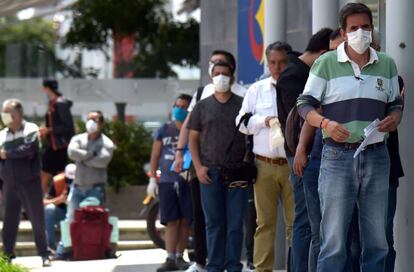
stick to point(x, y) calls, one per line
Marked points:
point(238, 174)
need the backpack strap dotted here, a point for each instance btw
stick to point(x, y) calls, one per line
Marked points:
point(199, 93)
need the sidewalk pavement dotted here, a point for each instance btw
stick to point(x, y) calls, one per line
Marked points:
point(130, 261)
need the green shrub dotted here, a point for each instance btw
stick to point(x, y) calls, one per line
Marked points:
point(5, 266)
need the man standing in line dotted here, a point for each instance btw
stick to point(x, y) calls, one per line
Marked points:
point(290, 84)
point(200, 247)
point(354, 86)
point(212, 131)
point(272, 182)
point(20, 173)
point(174, 191)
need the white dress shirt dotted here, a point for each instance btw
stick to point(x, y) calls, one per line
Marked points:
point(260, 100)
point(209, 90)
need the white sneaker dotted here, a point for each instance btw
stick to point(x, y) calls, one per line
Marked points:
point(195, 268)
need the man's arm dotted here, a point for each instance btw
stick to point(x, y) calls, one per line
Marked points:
point(307, 134)
point(182, 142)
point(201, 170)
point(76, 153)
point(101, 159)
point(257, 121)
point(27, 150)
point(155, 157)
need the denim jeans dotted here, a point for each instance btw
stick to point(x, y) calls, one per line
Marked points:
point(224, 211)
point(53, 215)
point(310, 187)
point(77, 195)
point(301, 236)
point(392, 205)
point(344, 182)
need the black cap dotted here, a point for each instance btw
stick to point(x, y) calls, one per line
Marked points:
point(51, 84)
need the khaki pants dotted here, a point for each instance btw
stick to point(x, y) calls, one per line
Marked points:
point(271, 185)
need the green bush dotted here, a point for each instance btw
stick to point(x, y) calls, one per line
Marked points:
point(5, 266)
point(133, 149)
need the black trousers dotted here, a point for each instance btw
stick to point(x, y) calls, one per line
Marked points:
point(200, 242)
point(26, 193)
point(250, 225)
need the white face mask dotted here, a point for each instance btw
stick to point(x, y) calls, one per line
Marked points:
point(210, 67)
point(6, 118)
point(91, 126)
point(359, 40)
point(221, 83)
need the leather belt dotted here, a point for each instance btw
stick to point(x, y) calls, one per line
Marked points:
point(277, 161)
point(350, 146)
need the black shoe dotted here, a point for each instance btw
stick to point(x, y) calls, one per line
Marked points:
point(250, 267)
point(9, 257)
point(46, 261)
point(181, 264)
point(168, 265)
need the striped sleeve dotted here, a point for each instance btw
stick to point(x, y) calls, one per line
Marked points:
point(395, 101)
point(314, 91)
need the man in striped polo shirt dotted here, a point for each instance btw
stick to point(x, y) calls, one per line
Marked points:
point(353, 86)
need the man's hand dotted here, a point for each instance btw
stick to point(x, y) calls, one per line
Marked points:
point(178, 162)
point(389, 123)
point(152, 187)
point(203, 176)
point(43, 131)
point(3, 154)
point(267, 120)
point(300, 161)
point(337, 132)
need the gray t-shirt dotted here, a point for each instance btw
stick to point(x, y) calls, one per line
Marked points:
point(216, 123)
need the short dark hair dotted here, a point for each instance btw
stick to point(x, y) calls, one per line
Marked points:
point(223, 64)
point(335, 34)
point(101, 118)
point(278, 46)
point(51, 84)
point(319, 41)
point(229, 57)
point(185, 97)
point(351, 9)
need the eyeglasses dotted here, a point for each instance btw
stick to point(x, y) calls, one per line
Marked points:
point(238, 184)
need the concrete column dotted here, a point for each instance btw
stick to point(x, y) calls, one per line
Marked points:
point(324, 14)
point(400, 45)
point(275, 21)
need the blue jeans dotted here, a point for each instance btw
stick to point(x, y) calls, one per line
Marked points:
point(310, 187)
point(344, 182)
point(392, 205)
point(76, 196)
point(224, 211)
point(53, 215)
point(301, 234)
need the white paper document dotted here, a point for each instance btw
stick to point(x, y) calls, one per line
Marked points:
point(372, 136)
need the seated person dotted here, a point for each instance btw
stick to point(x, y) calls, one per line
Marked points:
point(55, 202)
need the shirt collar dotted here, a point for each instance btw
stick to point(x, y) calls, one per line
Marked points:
point(21, 128)
point(268, 84)
point(343, 56)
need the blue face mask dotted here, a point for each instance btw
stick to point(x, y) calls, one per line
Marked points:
point(179, 114)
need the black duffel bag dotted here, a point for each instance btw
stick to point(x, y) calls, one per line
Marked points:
point(238, 174)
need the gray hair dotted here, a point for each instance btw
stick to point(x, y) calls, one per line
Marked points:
point(15, 104)
point(278, 46)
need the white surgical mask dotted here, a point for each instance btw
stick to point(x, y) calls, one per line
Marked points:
point(359, 40)
point(6, 118)
point(91, 126)
point(210, 67)
point(221, 83)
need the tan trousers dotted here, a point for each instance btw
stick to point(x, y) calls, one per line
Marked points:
point(271, 185)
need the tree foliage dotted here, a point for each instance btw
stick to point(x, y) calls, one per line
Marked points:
point(161, 42)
